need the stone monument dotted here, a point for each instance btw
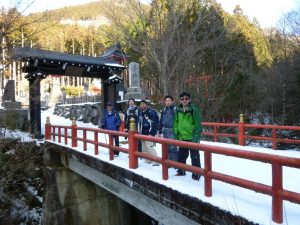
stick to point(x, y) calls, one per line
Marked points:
point(134, 90)
point(11, 115)
point(9, 98)
point(56, 95)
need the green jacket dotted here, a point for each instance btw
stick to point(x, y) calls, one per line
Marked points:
point(187, 124)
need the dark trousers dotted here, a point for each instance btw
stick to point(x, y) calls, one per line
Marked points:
point(172, 149)
point(139, 146)
point(183, 155)
point(116, 144)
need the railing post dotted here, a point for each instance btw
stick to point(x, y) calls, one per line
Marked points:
point(111, 143)
point(47, 128)
point(274, 136)
point(74, 132)
point(164, 156)
point(241, 134)
point(215, 133)
point(53, 133)
point(122, 126)
point(277, 203)
point(96, 142)
point(133, 145)
point(84, 142)
point(207, 169)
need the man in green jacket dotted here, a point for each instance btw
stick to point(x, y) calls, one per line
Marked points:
point(187, 127)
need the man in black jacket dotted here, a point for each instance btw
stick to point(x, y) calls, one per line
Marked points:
point(132, 112)
point(148, 125)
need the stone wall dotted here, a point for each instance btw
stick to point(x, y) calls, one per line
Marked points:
point(14, 119)
point(87, 113)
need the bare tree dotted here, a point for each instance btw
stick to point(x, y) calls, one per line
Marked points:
point(280, 87)
point(13, 26)
point(181, 43)
point(166, 35)
point(292, 26)
point(288, 65)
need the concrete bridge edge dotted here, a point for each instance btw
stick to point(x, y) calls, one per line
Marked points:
point(147, 205)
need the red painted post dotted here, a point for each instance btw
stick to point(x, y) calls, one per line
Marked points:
point(277, 202)
point(84, 142)
point(111, 143)
point(47, 129)
point(274, 136)
point(59, 134)
point(96, 142)
point(74, 132)
point(207, 169)
point(215, 133)
point(66, 134)
point(133, 145)
point(241, 134)
point(122, 126)
point(164, 156)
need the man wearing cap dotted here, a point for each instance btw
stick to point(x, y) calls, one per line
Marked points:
point(148, 125)
point(111, 121)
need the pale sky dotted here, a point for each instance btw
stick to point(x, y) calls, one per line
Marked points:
point(267, 12)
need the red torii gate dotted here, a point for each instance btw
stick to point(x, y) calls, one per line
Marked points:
point(191, 81)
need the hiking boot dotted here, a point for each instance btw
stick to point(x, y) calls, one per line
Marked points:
point(180, 173)
point(195, 176)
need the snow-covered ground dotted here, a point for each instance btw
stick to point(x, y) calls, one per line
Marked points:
point(254, 206)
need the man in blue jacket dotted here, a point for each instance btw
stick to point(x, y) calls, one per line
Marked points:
point(166, 126)
point(148, 125)
point(111, 121)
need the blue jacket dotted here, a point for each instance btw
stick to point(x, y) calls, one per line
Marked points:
point(148, 122)
point(111, 121)
point(167, 118)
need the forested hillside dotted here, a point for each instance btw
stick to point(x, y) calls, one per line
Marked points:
point(229, 63)
point(81, 12)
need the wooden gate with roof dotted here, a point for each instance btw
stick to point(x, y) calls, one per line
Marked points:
point(40, 63)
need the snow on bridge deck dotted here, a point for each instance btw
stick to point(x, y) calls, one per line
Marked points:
point(253, 206)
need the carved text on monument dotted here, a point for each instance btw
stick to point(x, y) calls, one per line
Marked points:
point(134, 75)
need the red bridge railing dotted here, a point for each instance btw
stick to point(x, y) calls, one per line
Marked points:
point(242, 136)
point(277, 162)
